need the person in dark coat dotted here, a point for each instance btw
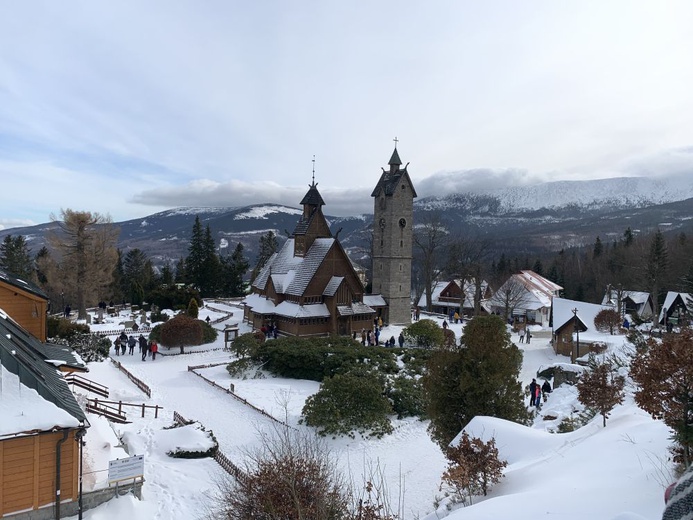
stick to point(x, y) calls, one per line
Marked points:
point(144, 351)
point(546, 389)
point(143, 343)
point(131, 345)
point(401, 340)
point(116, 345)
point(532, 392)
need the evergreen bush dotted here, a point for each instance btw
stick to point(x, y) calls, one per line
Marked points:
point(424, 334)
point(349, 403)
point(65, 329)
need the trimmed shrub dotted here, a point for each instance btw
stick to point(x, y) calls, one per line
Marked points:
point(209, 333)
point(424, 334)
point(181, 331)
point(406, 394)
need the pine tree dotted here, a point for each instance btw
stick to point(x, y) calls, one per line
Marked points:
point(195, 259)
point(15, 257)
point(234, 268)
point(601, 389)
point(268, 246)
point(211, 268)
point(479, 378)
point(598, 248)
point(656, 268)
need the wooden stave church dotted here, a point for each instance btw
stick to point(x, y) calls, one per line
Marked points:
point(309, 287)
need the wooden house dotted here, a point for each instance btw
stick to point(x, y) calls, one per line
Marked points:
point(309, 287)
point(456, 295)
point(573, 332)
point(40, 428)
point(25, 302)
point(676, 309)
point(526, 298)
point(635, 303)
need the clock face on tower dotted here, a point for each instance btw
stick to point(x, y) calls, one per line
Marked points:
point(382, 223)
point(402, 223)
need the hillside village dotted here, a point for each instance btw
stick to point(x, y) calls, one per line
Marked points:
point(91, 431)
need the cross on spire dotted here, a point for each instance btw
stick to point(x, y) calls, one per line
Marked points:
point(396, 141)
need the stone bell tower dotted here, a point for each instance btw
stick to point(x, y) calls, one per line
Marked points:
point(393, 219)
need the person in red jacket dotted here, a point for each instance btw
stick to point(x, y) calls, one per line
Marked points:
point(154, 349)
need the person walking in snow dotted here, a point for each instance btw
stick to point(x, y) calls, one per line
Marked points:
point(401, 340)
point(143, 343)
point(145, 349)
point(363, 337)
point(155, 349)
point(529, 336)
point(546, 389)
point(131, 345)
point(521, 332)
point(116, 345)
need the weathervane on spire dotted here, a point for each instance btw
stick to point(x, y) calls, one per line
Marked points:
point(313, 185)
point(396, 141)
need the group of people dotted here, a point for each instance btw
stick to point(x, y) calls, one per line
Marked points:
point(125, 342)
point(536, 391)
point(270, 330)
point(454, 316)
point(524, 333)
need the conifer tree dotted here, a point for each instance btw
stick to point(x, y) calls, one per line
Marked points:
point(234, 268)
point(656, 268)
point(15, 257)
point(268, 246)
point(478, 378)
point(87, 245)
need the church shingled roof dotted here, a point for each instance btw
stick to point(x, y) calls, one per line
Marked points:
point(313, 197)
point(395, 160)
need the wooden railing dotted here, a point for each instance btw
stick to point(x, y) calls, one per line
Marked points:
point(119, 408)
point(219, 457)
point(138, 382)
point(87, 384)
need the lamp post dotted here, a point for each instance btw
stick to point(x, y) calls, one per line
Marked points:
point(577, 334)
point(80, 439)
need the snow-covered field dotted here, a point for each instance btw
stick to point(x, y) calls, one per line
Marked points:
point(617, 472)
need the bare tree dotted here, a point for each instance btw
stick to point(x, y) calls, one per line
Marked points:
point(511, 295)
point(467, 260)
point(430, 239)
point(87, 245)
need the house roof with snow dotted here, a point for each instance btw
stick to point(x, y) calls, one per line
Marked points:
point(638, 297)
point(466, 286)
point(586, 312)
point(674, 299)
point(29, 287)
point(20, 354)
point(535, 291)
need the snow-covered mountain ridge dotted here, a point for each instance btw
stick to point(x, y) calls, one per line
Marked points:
point(613, 193)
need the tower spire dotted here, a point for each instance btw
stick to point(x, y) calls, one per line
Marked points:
point(313, 185)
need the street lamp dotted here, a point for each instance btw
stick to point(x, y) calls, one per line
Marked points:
point(577, 334)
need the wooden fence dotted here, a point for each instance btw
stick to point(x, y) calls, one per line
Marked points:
point(87, 384)
point(232, 393)
point(219, 457)
point(138, 382)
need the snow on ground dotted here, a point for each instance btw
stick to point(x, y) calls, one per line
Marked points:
point(615, 472)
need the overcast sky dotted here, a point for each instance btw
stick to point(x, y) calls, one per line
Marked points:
point(130, 107)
